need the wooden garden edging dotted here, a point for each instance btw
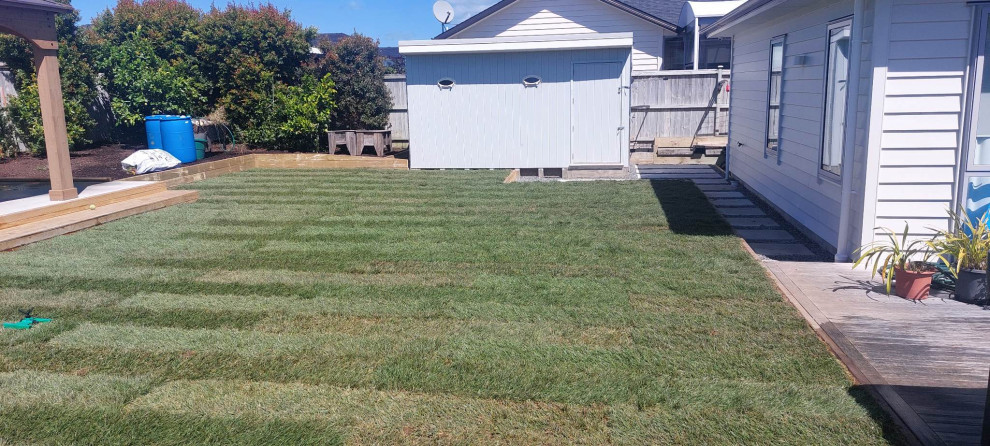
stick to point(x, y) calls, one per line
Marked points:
point(213, 169)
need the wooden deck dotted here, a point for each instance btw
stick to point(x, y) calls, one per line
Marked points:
point(32, 219)
point(928, 361)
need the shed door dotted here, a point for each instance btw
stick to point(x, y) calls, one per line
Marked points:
point(596, 113)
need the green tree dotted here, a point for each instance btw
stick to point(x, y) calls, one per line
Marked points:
point(147, 52)
point(356, 66)
point(78, 78)
point(253, 49)
point(170, 26)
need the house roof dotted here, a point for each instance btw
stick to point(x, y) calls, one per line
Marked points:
point(44, 5)
point(663, 13)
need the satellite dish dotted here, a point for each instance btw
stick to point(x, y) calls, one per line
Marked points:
point(443, 12)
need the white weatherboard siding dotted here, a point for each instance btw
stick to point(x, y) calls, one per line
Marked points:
point(489, 119)
point(791, 180)
point(564, 17)
point(928, 53)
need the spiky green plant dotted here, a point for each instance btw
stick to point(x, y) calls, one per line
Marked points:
point(965, 245)
point(894, 252)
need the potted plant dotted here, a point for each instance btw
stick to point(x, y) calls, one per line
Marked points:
point(964, 248)
point(902, 263)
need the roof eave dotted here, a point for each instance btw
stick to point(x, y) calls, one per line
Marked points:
point(740, 14)
point(642, 14)
point(475, 19)
point(58, 8)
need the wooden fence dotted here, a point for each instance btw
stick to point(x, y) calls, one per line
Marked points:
point(678, 106)
point(398, 117)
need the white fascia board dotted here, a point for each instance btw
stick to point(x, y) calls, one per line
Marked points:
point(515, 44)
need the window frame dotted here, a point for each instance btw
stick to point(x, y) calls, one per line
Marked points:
point(440, 83)
point(782, 41)
point(845, 22)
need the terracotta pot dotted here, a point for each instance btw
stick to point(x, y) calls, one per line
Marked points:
point(912, 285)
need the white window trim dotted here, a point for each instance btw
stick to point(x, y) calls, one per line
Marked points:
point(822, 173)
point(781, 39)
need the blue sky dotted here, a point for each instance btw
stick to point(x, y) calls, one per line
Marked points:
point(386, 20)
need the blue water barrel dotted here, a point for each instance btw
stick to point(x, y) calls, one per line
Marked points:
point(177, 137)
point(153, 127)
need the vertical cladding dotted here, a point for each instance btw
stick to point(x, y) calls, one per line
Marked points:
point(489, 119)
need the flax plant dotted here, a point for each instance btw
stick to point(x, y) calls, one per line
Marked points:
point(965, 245)
point(894, 252)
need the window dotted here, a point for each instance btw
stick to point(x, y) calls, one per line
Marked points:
point(715, 53)
point(673, 53)
point(773, 93)
point(836, 92)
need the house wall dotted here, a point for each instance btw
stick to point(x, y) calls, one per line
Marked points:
point(927, 61)
point(561, 17)
point(790, 180)
point(489, 119)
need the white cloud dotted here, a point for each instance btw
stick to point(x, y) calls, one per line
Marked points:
point(464, 9)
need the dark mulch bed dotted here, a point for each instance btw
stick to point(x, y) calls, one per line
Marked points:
point(98, 162)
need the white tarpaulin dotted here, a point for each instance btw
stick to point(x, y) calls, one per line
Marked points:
point(145, 161)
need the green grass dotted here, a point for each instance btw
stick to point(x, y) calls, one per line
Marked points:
point(380, 307)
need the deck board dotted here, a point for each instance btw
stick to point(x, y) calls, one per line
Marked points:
point(932, 356)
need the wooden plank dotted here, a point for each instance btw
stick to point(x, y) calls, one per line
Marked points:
point(66, 207)
point(22, 235)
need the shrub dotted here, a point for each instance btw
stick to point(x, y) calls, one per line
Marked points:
point(253, 49)
point(170, 26)
point(141, 83)
point(363, 101)
point(296, 117)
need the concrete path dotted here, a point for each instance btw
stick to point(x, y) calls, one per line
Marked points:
point(767, 235)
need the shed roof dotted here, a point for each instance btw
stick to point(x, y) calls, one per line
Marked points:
point(663, 13)
point(44, 5)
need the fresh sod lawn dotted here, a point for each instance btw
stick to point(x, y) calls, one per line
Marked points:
point(371, 307)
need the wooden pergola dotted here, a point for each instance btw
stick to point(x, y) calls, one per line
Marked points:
point(34, 20)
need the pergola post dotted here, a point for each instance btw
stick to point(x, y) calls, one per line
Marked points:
point(53, 118)
point(34, 20)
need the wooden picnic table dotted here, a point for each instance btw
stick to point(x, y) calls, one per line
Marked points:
point(356, 140)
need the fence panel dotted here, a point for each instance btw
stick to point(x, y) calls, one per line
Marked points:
point(398, 117)
point(679, 105)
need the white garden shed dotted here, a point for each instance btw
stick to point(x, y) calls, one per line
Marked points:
point(558, 101)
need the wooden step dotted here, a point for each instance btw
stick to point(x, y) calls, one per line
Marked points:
point(21, 235)
point(33, 209)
